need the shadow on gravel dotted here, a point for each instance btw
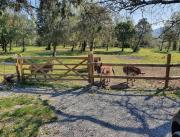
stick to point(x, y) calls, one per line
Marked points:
point(152, 112)
point(140, 115)
point(144, 129)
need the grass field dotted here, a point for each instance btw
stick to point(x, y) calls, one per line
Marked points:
point(23, 115)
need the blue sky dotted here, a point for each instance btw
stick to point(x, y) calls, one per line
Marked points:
point(155, 15)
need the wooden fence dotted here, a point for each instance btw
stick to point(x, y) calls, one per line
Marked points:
point(166, 77)
point(88, 62)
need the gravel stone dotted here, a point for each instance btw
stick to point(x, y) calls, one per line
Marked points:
point(90, 112)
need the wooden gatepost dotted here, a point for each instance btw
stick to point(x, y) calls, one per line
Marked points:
point(168, 67)
point(19, 62)
point(91, 68)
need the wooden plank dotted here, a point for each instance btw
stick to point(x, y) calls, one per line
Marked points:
point(7, 74)
point(175, 65)
point(125, 77)
point(54, 58)
point(58, 69)
point(28, 74)
point(167, 71)
point(71, 69)
point(59, 79)
point(75, 67)
point(174, 78)
point(57, 57)
point(40, 68)
point(8, 64)
point(141, 65)
point(70, 64)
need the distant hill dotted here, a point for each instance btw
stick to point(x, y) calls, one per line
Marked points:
point(157, 32)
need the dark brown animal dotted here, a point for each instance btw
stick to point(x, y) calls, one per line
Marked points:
point(41, 69)
point(131, 70)
point(9, 79)
point(175, 127)
point(104, 70)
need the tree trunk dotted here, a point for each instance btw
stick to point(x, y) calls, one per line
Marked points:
point(72, 49)
point(178, 43)
point(48, 46)
point(174, 45)
point(23, 48)
point(54, 49)
point(91, 45)
point(16, 43)
point(64, 45)
point(122, 46)
point(10, 45)
point(161, 46)
point(107, 47)
point(169, 46)
point(84, 44)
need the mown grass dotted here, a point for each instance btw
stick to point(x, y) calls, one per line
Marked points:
point(21, 116)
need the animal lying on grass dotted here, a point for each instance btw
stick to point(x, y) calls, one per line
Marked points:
point(175, 128)
point(103, 70)
point(9, 79)
point(131, 70)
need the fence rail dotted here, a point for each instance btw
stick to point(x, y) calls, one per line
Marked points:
point(74, 67)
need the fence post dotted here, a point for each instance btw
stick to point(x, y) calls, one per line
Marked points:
point(167, 71)
point(91, 68)
point(17, 70)
point(19, 67)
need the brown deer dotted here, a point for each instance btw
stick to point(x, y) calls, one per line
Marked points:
point(175, 127)
point(103, 70)
point(131, 70)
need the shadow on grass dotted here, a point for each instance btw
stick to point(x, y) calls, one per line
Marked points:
point(25, 119)
point(113, 52)
point(60, 53)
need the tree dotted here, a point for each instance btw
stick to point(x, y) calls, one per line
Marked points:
point(92, 20)
point(143, 34)
point(124, 32)
point(171, 32)
point(7, 31)
point(53, 21)
point(132, 5)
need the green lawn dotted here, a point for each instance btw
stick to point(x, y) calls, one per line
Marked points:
point(21, 116)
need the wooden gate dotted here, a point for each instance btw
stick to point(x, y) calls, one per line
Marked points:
point(56, 68)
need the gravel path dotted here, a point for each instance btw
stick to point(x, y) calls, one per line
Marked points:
point(82, 113)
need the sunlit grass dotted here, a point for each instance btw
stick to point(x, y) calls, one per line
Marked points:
point(23, 115)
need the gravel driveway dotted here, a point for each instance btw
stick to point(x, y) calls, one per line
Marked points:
point(83, 113)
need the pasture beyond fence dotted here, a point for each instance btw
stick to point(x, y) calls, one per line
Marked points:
point(79, 68)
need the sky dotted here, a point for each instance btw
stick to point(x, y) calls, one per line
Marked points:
point(155, 15)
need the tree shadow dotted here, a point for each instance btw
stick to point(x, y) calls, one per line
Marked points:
point(60, 53)
point(113, 52)
point(140, 115)
point(143, 129)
